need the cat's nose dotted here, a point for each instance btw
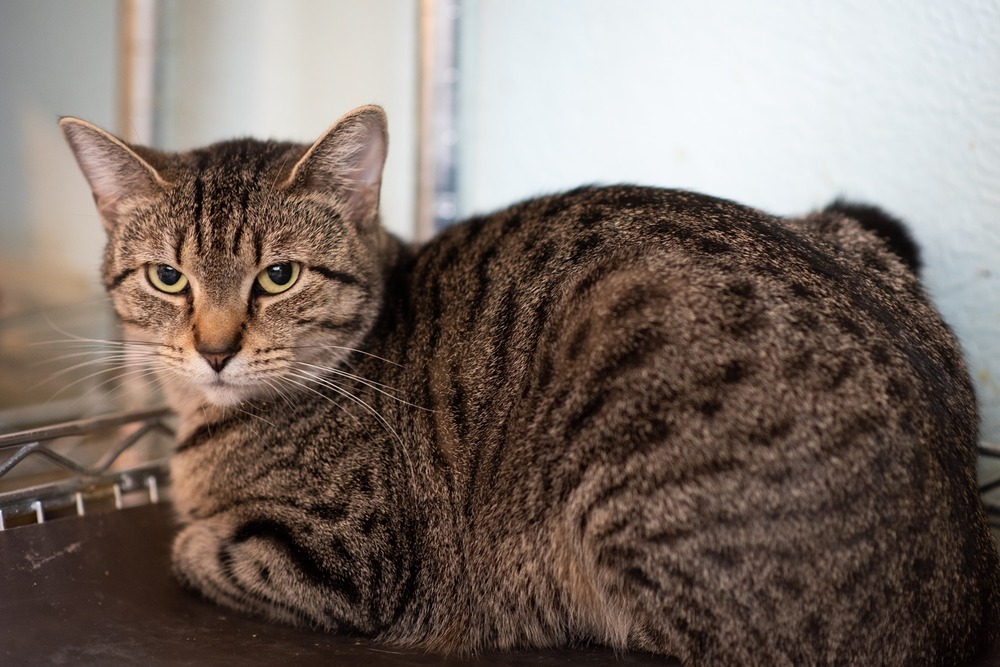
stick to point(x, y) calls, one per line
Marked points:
point(217, 358)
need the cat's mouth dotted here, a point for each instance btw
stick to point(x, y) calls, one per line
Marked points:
point(221, 392)
point(224, 388)
point(234, 384)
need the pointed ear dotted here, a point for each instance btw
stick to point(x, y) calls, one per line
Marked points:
point(347, 162)
point(115, 172)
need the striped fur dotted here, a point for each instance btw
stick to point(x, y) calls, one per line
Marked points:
point(644, 417)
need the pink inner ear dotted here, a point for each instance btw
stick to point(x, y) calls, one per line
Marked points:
point(369, 162)
point(365, 179)
point(347, 162)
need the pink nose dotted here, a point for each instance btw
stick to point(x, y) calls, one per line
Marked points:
point(217, 359)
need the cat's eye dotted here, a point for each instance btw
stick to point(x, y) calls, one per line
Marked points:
point(278, 277)
point(166, 278)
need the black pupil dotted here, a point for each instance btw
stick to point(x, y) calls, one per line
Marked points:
point(280, 274)
point(168, 275)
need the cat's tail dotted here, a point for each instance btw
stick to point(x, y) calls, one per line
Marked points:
point(893, 232)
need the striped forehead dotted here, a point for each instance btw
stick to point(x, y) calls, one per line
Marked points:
point(225, 180)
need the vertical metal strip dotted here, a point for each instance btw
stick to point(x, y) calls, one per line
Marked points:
point(437, 196)
point(137, 30)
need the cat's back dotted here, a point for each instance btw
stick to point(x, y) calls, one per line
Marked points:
point(640, 272)
point(717, 306)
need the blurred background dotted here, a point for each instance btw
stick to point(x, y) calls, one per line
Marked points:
point(780, 104)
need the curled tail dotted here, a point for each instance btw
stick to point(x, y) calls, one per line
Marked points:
point(891, 230)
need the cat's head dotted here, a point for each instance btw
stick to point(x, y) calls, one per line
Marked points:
point(245, 267)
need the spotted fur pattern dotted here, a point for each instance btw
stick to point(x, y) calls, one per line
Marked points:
point(645, 417)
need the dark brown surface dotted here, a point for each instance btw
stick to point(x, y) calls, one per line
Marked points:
point(97, 591)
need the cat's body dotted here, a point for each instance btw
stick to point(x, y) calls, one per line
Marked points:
point(645, 417)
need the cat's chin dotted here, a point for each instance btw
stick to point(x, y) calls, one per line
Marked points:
point(219, 394)
point(181, 394)
point(225, 395)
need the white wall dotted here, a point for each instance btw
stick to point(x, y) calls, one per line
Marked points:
point(287, 70)
point(57, 57)
point(779, 104)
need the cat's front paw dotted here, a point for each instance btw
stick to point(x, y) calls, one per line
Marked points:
point(211, 557)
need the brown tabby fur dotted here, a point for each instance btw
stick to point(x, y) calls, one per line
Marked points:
point(644, 417)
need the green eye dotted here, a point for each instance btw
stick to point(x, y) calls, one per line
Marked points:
point(278, 277)
point(166, 278)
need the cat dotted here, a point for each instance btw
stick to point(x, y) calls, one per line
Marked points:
point(647, 418)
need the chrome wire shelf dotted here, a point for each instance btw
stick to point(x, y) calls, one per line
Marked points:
point(70, 487)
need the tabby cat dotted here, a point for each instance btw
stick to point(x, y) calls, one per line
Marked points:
point(642, 417)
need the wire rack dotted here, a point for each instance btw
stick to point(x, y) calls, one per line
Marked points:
point(83, 466)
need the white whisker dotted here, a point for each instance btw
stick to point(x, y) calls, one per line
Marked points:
point(276, 389)
point(96, 374)
point(333, 386)
point(256, 416)
point(305, 385)
point(80, 341)
point(135, 374)
point(329, 384)
point(345, 349)
point(383, 389)
point(127, 355)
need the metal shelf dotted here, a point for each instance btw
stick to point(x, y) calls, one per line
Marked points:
point(80, 487)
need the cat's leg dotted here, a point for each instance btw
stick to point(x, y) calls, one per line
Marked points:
point(261, 566)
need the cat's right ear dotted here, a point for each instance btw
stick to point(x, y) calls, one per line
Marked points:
point(115, 172)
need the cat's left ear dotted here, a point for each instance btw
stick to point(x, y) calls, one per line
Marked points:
point(347, 162)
